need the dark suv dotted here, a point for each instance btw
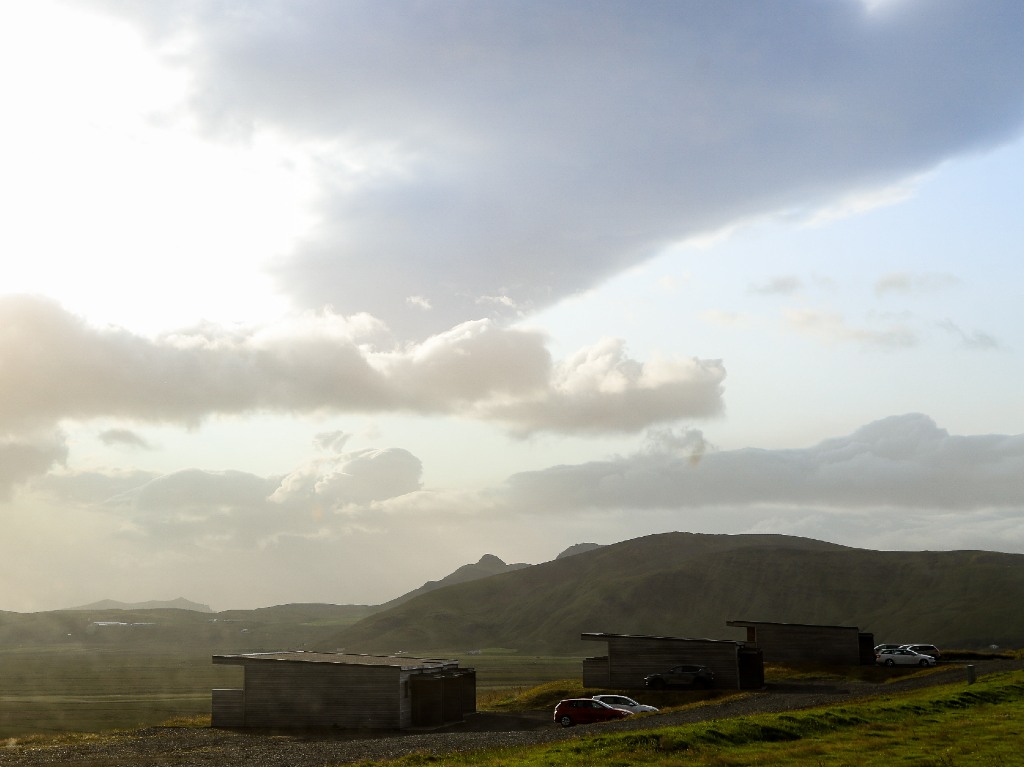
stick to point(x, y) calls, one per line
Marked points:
point(924, 649)
point(681, 676)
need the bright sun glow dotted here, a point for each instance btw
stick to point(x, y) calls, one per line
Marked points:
point(99, 158)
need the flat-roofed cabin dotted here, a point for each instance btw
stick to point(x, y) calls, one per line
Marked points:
point(312, 689)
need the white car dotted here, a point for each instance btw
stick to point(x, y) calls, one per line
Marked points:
point(624, 703)
point(903, 657)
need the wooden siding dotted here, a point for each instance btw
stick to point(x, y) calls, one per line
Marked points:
point(596, 673)
point(631, 658)
point(228, 708)
point(467, 690)
point(867, 648)
point(323, 690)
point(286, 694)
point(442, 698)
point(796, 642)
point(427, 701)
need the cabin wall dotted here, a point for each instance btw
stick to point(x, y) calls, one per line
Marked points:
point(282, 694)
point(792, 643)
point(442, 698)
point(630, 659)
point(228, 708)
point(596, 673)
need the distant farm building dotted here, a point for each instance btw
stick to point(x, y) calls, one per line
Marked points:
point(310, 689)
point(803, 643)
point(631, 657)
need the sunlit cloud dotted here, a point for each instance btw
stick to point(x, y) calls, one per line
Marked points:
point(60, 367)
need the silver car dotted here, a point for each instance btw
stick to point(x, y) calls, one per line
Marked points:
point(626, 704)
point(903, 657)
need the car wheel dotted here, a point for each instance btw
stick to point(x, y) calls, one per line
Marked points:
point(657, 684)
point(566, 721)
point(890, 662)
point(924, 663)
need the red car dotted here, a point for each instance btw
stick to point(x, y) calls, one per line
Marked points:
point(584, 711)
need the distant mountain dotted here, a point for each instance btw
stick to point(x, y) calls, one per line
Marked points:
point(175, 604)
point(578, 548)
point(487, 566)
point(689, 585)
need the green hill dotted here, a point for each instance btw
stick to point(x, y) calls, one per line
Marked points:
point(680, 584)
point(487, 566)
point(685, 584)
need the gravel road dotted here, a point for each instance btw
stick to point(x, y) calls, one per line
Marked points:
point(197, 747)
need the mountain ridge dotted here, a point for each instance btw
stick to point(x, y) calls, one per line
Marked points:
point(168, 604)
point(678, 584)
point(488, 565)
point(689, 584)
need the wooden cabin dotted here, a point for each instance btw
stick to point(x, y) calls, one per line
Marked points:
point(631, 657)
point(313, 689)
point(809, 643)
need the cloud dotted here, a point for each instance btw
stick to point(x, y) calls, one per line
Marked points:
point(234, 510)
point(24, 458)
point(419, 301)
point(123, 437)
point(85, 488)
point(333, 441)
point(530, 151)
point(831, 328)
point(903, 462)
point(779, 286)
point(724, 318)
point(57, 366)
point(357, 478)
point(977, 339)
point(601, 389)
point(903, 282)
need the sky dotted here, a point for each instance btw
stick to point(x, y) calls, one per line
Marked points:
point(317, 300)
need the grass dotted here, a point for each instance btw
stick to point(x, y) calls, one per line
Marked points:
point(952, 725)
point(55, 691)
point(500, 670)
point(75, 689)
point(947, 726)
point(56, 697)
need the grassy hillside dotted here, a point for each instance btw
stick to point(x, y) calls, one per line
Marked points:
point(685, 584)
point(487, 566)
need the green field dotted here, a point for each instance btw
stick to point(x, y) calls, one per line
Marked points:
point(48, 691)
point(62, 689)
point(508, 670)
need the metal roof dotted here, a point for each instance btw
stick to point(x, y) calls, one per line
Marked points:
point(600, 636)
point(343, 659)
point(755, 624)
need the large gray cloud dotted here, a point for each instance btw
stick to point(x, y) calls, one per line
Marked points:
point(56, 366)
point(898, 462)
point(235, 509)
point(515, 152)
point(25, 457)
